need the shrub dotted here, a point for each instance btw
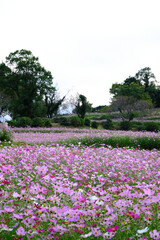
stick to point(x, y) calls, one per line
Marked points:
point(65, 121)
point(103, 117)
point(5, 133)
point(37, 122)
point(24, 122)
point(12, 123)
point(58, 119)
point(94, 124)
point(87, 122)
point(125, 125)
point(77, 121)
point(151, 126)
point(136, 126)
point(47, 123)
point(108, 124)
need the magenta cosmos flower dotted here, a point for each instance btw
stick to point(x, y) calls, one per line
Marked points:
point(112, 229)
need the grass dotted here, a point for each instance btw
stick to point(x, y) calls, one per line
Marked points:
point(124, 141)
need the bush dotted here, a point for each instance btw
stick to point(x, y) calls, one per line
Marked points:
point(136, 126)
point(65, 121)
point(151, 126)
point(47, 123)
point(77, 121)
point(58, 119)
point(12, 123)
point(125, 125)
point(37, 122)
point(108, 124)
point(5, 133)
point(94, 124)
point(24, 122)
point(103, 117)
point(87, 122)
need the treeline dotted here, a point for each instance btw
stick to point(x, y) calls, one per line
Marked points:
point(27, 90)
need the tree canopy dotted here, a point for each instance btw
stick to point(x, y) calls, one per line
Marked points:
point(27, 83)
point(142, 86)
point(82, 106)
point(136, 93)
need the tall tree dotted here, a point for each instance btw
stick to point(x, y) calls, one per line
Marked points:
point(27, 82)
point(82, 106)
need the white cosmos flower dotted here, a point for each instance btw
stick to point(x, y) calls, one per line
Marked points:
point(75, 184)
point(94, 198)
point(15, 195)
point(99, 202)
point(143, 230)
point(6, 229)
point(86, 235)
point(80, 190)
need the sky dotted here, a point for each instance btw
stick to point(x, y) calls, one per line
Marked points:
point(86, 44)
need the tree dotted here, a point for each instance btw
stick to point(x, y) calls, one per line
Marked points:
point(130, 80)
point(52, 103)
point(127, 105)
point(82, 106)
point(133, 89)
point(27, 83)
point(141, 86)
point(4, 101)
point(144, 76)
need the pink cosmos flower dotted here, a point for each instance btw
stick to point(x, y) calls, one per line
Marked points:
point(9, 209)
point(75, 207)
point(155, 235)
point(132, 214)
point(18, 216)
point(78, 231)
point(112, 229)
point(96, 232)
point(5, 182)
point(82, 199)
point(108, 235)
point(20, 231)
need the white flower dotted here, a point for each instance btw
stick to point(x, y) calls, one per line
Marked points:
point(75, 184)
point(143, 230)
point(6, 229)
point(94, 198)
point(15, 195)
point(86, 235)
point(80, 190)
point(99, 202)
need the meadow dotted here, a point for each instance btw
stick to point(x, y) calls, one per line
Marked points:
point(80, 184)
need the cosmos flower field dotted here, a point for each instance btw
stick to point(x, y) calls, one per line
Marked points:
point(53, 191)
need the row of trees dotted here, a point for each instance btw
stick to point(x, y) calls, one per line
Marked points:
point(26, 89)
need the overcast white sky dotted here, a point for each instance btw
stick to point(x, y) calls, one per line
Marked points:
point(87, 44)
